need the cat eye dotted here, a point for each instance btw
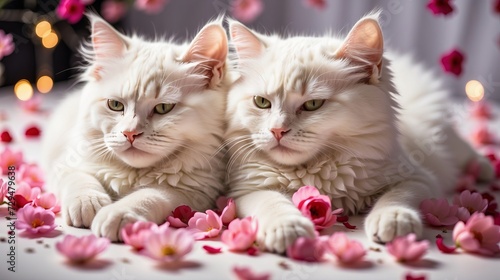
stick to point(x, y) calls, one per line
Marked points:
point(115, 105)
point(261, 102)
point(313, 105)
point(163, 108)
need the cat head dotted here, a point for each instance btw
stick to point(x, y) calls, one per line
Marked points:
point(300, 98)
point(145, 101)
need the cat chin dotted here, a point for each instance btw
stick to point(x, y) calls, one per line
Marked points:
point(137, 158)
point(287, 156)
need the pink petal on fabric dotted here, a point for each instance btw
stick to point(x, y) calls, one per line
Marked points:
point(212, 250)
point(410, 276)
point(5, 137)
point(135, 234)
point(346, 250)
point(167, 244)
point(407, 249)
point(307, 249)
point(48, 201)
point(442, 247)
point(245, 273)
point(229, 212)
point(241, 234)
point(205, 225)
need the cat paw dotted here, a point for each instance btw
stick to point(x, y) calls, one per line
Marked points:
point(282, 232)
point(111, 219)
point(80, 208)
point(384, 224)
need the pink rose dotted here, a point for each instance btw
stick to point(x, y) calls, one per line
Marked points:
point(315, 206)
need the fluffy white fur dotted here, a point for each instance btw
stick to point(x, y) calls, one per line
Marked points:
point(379, 143)
point(104, 180)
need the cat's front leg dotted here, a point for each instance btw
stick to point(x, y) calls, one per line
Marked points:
point(82, 197)
point(396, 213)
point(147, 204)
point(280, 222)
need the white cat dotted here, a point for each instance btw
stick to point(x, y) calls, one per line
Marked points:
point(142, 135)
point(328, 112)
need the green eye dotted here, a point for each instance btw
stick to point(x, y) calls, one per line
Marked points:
point(163, 108)
point(261, 102)
point(313, 105)
point(115, 105)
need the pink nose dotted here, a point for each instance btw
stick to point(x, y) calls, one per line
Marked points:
point(131, 135)
point(279, 132)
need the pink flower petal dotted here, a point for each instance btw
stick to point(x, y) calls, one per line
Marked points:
point(440, 7)
point(246, 10)
point(442, 247)
point(212, 250)
point(5, 137)
point(81, 249)
point(32, 132)
point(452, 61)
point(244, 273)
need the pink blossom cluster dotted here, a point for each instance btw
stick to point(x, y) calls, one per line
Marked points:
point(112, 10)
point(438, 212)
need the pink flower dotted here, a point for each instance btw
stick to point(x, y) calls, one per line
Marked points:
point(438, 212)
point(452, 62)
point(3, 190)
point(32, 104)
point(150, 6)
point(70, 10)
point(307, 249)
point(241, 234)
point(318, 4)
point(31, 174)
point(440, 7)
point(10, 158)
point(228, 207)
point(469, 203)
point(24, 195)
point(481, 110)
point(347, 251)
point(407, 249)
point(113, 11)
point(135, 234)
point(180, 216)
point(244, 273)
point(5, 137)
point(35, 219)
point(246, 10)
point(6, 44)
point(205, 225)
point(168, 245)
point(81, 249)
point(47, 201)
point(481, 135)
point(478, 235)
point(496, 8)
point(315, 206)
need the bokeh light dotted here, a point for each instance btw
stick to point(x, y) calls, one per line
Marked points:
point(43, 29)
point(44, 84)
point(23, 90)
point(50, 40)
point(474, 90)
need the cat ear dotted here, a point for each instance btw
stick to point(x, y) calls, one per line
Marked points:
point(245, 41)
point(107, 43)
point(364, 46)
point(209, 50)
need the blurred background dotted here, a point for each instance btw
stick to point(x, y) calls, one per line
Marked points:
point(458, 39)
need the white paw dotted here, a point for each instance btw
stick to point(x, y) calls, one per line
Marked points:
point(111, 219)
point(79, 208)
point(384, 224)
point(277, 234)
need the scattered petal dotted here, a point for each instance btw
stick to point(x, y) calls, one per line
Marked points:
point(307, 249)
point(228, 214)
point(180, 216)
point(205, 225)
point(244, 273)
point(409, 276)
point(212, 250)
point(240, 234)
point(135, 234)
point(82, 249)
point(442, 247)
point(32, 132)
point(6, 137)
point(253, 251)
point(481, 135)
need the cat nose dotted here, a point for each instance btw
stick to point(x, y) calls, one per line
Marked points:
point(131, 135)
point(279, 132)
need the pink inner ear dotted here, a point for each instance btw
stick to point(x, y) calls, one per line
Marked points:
point(245, 41)
point(107, 43)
